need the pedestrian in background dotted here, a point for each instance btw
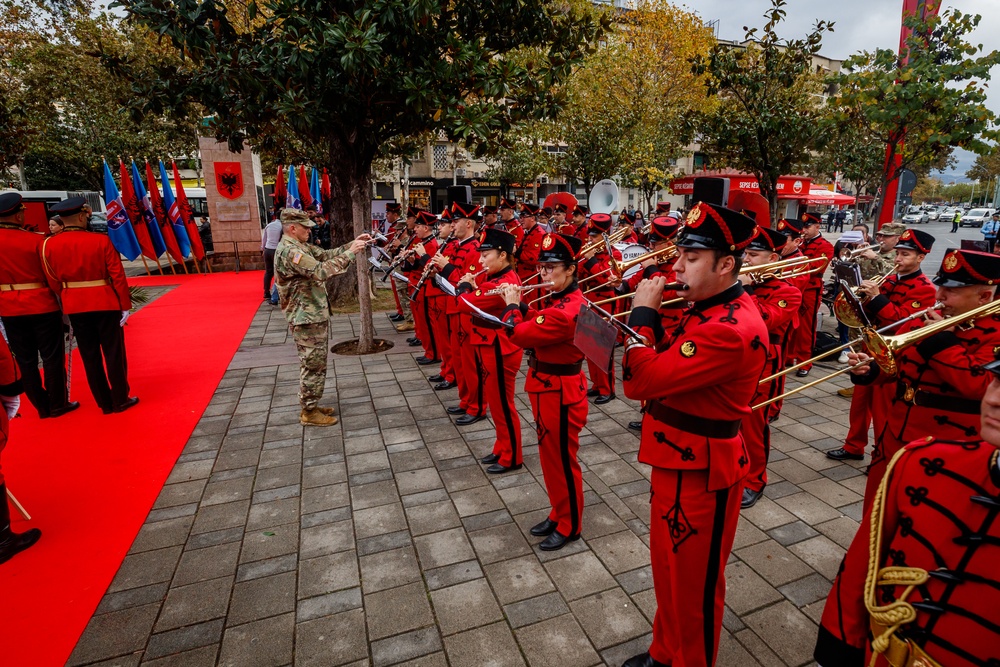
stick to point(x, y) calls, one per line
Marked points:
point(55, 225)
point(956, 221)
point(989, 230)
point(269, 238)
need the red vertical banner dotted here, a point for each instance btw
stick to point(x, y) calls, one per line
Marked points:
point(893, 159)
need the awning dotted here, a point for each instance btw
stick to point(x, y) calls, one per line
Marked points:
point(789, 187)
point(822, 197)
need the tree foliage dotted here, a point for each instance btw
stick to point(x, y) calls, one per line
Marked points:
point(986, 166)
point(931, 96)
point(768, 115)
point(61, 110)
point(629, 102)
point(524, 157)
point(354, 78)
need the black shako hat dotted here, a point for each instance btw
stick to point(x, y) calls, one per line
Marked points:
point(70, 206)
point(10, 203)
point(961, 268)
point(769, 239)
point(711, 227)
point(599, 223)
point(915, 239)
point(559, 248)
point(791, 227)
point(663, 228)
point(496, 239)
point(465, 210)
point(426, 218)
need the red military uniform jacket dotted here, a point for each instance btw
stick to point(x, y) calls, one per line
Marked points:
point(527, 253)
point(448, 248)
point(23, 287)
point(900, 296)
point(815, 248)
point(799, 282)
point(513, 227)
point(482, 333)
point(632, 237)
point(413, 268)
point(464, 259)
point(702, 381)
point(942, 502)
point(939, 385)
point(549, 331)
point(84, 269)
point(600, 263)
point(778, 303)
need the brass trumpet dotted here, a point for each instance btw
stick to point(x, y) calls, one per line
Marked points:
point(619, 268)
point(520, 288)
point(848, 255)
point(839, 348)
point(884, 349)
point(780, 265)
point(843, 311)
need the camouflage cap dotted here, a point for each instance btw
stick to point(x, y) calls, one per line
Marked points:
point(891, 229)
point(295, 215)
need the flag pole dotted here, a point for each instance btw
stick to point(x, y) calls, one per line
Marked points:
point(19, 506)
point(183, 264)
point(143, 258)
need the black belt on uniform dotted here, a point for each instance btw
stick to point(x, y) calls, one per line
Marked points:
point(554, 369)
point(709, 428)
point(774, 339)
point(926, 399)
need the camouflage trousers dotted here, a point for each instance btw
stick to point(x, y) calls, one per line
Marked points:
point(403, 292)
point(311, 342)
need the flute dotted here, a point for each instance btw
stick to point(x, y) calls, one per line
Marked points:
point(520, 288)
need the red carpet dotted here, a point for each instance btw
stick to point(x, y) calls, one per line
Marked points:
point(89, 479)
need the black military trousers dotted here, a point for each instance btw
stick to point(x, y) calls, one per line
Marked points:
point(101, 342)
point(34, 336)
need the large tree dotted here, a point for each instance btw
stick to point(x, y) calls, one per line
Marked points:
point(925, 101)
point(61, 111)
point(352, 78)
point(768, 117)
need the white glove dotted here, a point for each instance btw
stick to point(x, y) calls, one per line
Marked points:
point(125, 316)
point(11, 404)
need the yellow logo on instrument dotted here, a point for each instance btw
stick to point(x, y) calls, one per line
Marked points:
point(782, 304)
point(548, 242)
point(688, 348)
point(539, 319)
point(950, 262)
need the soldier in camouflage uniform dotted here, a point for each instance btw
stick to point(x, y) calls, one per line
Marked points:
point(874, 264)
point(302, 270)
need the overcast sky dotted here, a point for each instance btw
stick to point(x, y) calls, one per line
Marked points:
point(859, 25)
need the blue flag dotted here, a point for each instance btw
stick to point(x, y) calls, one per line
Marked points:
point(174, 213)
point(314, 189)
point(119, 228)
point(292, 200)
point(146, 208)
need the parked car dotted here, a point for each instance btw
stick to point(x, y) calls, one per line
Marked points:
point(99, 223)
point(934, 214)
point(976, 217)
point(915, 216)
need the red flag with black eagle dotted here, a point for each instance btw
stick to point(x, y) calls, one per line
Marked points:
point(134, 212)
point(166, 229)
point(187, 216)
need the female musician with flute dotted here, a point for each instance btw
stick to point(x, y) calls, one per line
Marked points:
point(497, 358)
point(555, 384)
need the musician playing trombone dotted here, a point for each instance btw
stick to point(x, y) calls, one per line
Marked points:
point(940, 380)
point(698, 389)
point(903, 292)
point(778, 302)
point(555, 384)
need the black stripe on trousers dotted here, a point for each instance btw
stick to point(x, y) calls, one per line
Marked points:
point(480, 401)
point(712, 573)
point(430, 332)
point(567, 468)
point(501, 372)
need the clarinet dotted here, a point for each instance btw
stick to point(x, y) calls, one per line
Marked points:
point(427, 269)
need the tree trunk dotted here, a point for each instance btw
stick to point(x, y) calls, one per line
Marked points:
point(21, 176)
point(361, 201)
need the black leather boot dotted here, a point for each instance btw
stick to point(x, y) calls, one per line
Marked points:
point(12, 543)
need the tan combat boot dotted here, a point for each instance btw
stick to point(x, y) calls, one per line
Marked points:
point(329, 412)
point(316, 418)
point(847, 392)
point(404, 327)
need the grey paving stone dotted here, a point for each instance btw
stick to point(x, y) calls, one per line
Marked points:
point(636, 580)
point(364, 496)
point(265, 643)
point(132, 597)
point(397, 610)
point(260, 598)
point(432, 517)
point(781, 626)
point(773, 562)
point(791, 533)
point(329, 573)
point(822, 554)
point(806, 590)
point(219, 517)
point(208, 563)
point(274, 541)
point(449, 575)
point(489, 645)
point(443, 548)
point(184, 639)
point(579, 575)
point(200, 657)
point(143, 569)
point(384, 542)
point(609, 618)
point(113, 634)
point(464, 606)
point(620, 552)
point(499, 542)
point(268, 514)
point(265, 568)
point(331, 640)
point(196, 603)
point(556, 642)
point(388, 569)
point(518, 579)
point(214, 538)
point(405, 647)
point(746, 590)
point(331, 603)
point(379, 520)
point(325, 539)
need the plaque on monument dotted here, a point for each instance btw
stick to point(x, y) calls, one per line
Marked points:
point(235, 211)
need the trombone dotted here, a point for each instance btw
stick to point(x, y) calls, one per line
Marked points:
point(848, 255)
point(839, 348)
point(593, 245)
point(780, 265)
point(843, 310)
point(679, 287)
point(663, 304)
point(619, 268)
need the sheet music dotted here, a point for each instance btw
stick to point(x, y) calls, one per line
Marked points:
point(445, 286)
point(486, 316)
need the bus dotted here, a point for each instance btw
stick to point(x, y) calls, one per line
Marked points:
point(37, 203)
